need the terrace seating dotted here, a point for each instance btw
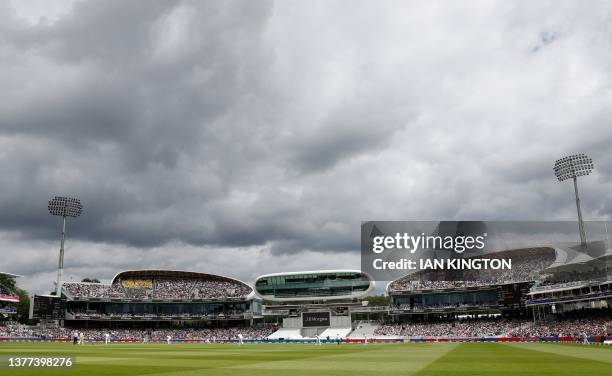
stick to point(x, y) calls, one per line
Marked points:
point(335, 333)
point(526, 266)
point(456, 328)
point(286, 333)
point(201, 334)
point(158, 288)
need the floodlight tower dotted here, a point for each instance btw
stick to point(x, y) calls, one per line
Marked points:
point(63, 207)
point(572, 167)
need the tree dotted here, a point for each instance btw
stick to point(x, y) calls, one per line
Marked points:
point(91, 280)
point(23, 308)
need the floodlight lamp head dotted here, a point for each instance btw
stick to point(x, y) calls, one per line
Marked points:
point(65, 206)
point(573, 166)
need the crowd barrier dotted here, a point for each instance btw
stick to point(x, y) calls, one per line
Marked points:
point(69, 340)
point(376, 340)
point(597, 339)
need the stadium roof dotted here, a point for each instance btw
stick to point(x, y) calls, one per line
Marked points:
point(150, 273)
point(568, 259)
point(11, 275)
point(607, 252)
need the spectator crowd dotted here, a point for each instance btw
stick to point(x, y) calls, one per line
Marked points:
point(456, 328)
point(6, 291)
point(95, 290)
point(498, 327)
point(142, 335)
point(526, 266)
point(162, 289)
point(466, 328)
point(567, 328)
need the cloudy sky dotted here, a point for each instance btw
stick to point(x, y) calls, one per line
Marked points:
point(244, 137)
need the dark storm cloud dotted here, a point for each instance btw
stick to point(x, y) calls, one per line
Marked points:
point(160, 142)
point(274, 128)
point(131, 117)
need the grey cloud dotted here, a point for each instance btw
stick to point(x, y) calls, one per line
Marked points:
point(278, 127)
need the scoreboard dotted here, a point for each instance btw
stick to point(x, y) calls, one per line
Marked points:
point(48, 307)
point(314, 319)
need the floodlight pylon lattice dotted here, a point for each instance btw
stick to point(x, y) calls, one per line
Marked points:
point(571, 167)
point(63, 207)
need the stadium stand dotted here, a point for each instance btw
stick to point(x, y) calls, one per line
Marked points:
point(526, 266)
point(195, 334)
point(286, 333)
point(5, 291)
point(163, 285)
point(336, 332)
point(94, 290)
point(550, 292)
point(570, 328)
point(145, 305)
point(575, 324)
point(454, 328)
point(364, 329)
point(152, 296)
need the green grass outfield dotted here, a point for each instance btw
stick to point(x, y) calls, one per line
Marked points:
point(300, 359)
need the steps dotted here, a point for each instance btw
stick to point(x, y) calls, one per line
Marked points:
point(333, 333)
point(364, 329)
point(286, 333)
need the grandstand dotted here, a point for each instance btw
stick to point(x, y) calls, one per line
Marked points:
point(576, 282)
point(491, 292)
point(209, 334)
point(535, 299)
point(150, 305)
point(527, 264)
point(153, 297)
point(143, 285)
point(462, 328)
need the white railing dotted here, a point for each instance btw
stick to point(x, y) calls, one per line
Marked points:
point(565, 285)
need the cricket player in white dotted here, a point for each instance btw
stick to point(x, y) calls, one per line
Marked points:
point(168, 339)
point(240, 338)
point(106, 338)
point(318, 340)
